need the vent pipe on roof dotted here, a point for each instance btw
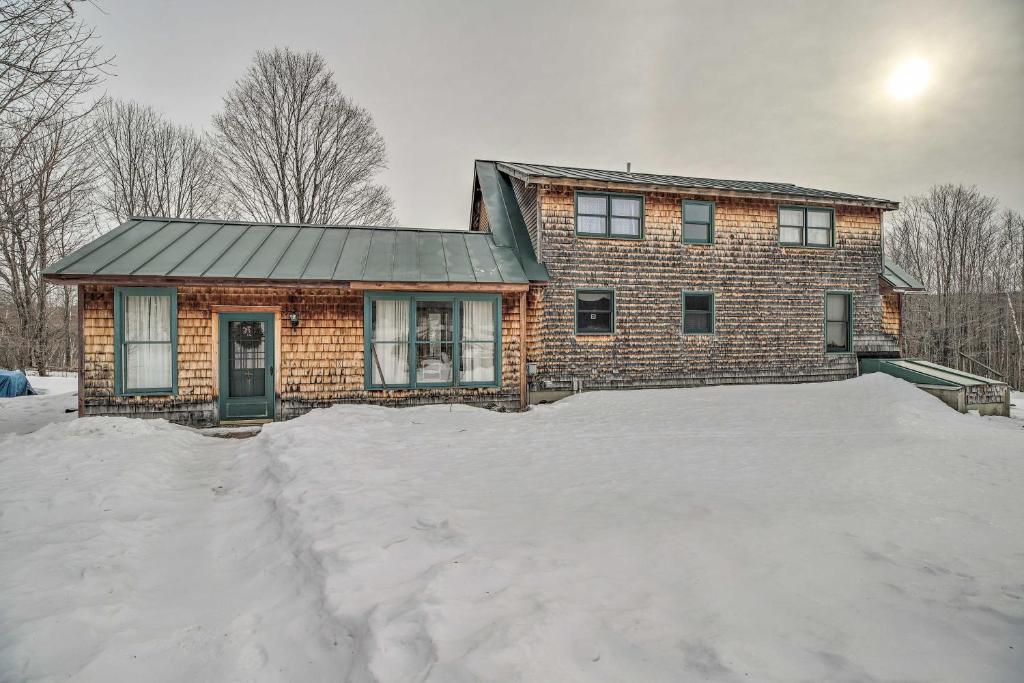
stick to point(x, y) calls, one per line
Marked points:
point(627, 167)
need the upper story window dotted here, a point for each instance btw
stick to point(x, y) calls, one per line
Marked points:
point(609, 215)
point(145, 340)
point(698, 222)
point(806, 226)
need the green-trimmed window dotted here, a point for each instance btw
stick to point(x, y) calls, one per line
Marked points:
point(432, 340)
point(609, 215)
point(698, 313)
point(595, 311)
point(838, 322)
point(698, 222)
point(145, 340)
point(806, 226)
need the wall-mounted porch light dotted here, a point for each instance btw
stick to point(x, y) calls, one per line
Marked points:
point(293, 318)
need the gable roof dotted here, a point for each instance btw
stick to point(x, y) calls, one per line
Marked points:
point(505, 219)
point(533, 173)
point(899, 279)
point(197, 250)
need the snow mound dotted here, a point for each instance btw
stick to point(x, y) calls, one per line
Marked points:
point(858, 530)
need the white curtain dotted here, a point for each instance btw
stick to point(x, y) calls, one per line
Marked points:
point(478, 338)
point(147, 335)
point(390, 346)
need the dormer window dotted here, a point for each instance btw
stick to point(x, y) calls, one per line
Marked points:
point(609, 215)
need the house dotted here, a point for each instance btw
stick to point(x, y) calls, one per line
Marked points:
point(567, 279)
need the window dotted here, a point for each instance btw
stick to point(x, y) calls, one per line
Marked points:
point(609, 215)
point(145, 340)
point(838, 322)
point(698, 222)
point(432, 340)
point(595, 311)
point(806, 226)
point(698, 313)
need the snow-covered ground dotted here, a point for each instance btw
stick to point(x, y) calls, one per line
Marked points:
point(854, 531)
point(56, 395)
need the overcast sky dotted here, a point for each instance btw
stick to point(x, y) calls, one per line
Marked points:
point(783, 91)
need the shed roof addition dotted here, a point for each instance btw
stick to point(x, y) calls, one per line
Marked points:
point(187, 249)
point(899, 279)
point(535, 172)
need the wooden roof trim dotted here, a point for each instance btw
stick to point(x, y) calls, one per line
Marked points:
point(161, 281)
point(545, 181)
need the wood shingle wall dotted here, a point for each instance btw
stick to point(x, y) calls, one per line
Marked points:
point(320, 361)
point(769, 300)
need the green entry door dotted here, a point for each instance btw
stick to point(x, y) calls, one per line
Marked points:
point(246, 366)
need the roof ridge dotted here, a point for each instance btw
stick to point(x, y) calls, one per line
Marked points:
point(222, 221)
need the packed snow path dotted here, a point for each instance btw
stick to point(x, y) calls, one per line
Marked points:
point(854, 531)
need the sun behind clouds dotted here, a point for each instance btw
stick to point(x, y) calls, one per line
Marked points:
point(909, 79)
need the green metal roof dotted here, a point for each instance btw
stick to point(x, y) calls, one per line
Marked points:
point(899, 278)
point(505, 219)
point(532, 172)
point(213, 249)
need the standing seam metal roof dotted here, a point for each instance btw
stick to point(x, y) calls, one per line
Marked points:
point(526, 171)
point(207, 249)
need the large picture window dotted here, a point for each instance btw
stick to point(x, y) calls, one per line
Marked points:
point(432, 340)
point(146, 340)
point(838, 322)
point(609, 215)
point(806, 226)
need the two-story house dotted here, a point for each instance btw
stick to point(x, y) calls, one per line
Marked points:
point(568, 279)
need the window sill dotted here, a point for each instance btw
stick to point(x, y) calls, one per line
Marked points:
point(610, 237)
point(594, 336)
point(805, 246)
point(698, 244)
point(160, 392)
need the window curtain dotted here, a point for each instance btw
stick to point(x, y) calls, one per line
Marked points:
point(390, 346)
point(477, 341)
point(148, 344)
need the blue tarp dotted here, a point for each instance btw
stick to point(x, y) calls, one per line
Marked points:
point(14, 383)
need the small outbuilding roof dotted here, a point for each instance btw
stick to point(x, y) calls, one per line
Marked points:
point(535, 172)
point(187, 249)
point(899, 279)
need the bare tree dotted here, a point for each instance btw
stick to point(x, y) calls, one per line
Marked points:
point(46, 212)
point(48, 60)
point(971, 258)
point(295, 149)
point(152, 167)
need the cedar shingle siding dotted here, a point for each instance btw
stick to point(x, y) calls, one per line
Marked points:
point(769, 300)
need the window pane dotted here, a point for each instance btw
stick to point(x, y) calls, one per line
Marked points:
point(391, 359)
point(390, 320)
point(697, 213)
point(434, 362)
point(147, 318)
point(478, 320)
point(696, 232)
point(628, 207)
point(819, 236)
point(836, 336)
point(698, 302)
point(596, 225)
point(147, 366)
point(594, 301)
point(791, 217)
point(434, 337)
point(593, 322)
point(626, 226)
point(836, 305)
point(246, 358)
point(697, 322)
point(819, 219)
point(592, 205)
point(477, 362)
point(791, 235)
